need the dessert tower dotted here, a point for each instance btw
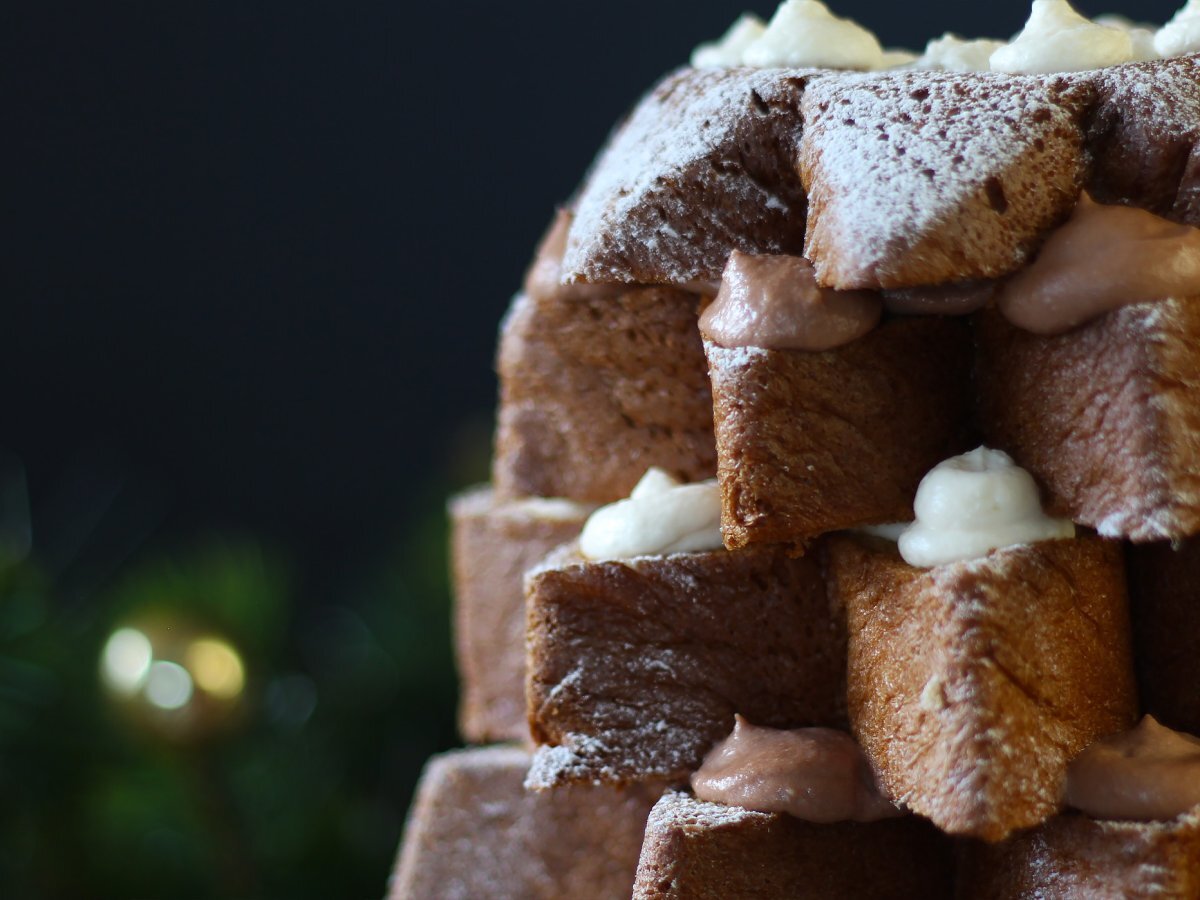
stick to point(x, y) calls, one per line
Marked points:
point(849, 425)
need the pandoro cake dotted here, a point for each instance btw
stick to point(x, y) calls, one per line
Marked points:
point(846, 486)
point(492, 544)
point(641, 650)
point(785, 813)
point(474, 831)
point(1133, 832)
point(710, 851)
point(597, 384)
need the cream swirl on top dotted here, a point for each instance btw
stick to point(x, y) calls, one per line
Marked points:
point(950, 53)
point(805, 33)
point(1141, 35)
point(1104, 257)
point(729, 49)
point(660, 516)
point(1058, 39)
point(1182, 33)
point(814, 774)
point(1149, 773)
point(775, 302)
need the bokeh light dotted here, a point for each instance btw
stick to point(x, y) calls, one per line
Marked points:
point(168, 685)
point(173, 679)
point(216, 667)
point(125, 663)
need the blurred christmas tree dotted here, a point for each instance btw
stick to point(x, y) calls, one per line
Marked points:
point(195, 726)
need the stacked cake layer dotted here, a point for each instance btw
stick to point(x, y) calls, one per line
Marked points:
point(731, 479)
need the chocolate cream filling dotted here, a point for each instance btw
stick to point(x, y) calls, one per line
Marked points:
point(776, 303)
point(1151, 773)
point(815, 774)
point(1103, 258)
point(958, 299)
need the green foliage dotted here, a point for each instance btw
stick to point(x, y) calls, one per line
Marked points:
point(303, 796)
point(234, 587)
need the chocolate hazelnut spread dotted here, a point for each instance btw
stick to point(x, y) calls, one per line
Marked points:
point(1104, 257)
point(958, 299)
point(815, 774)
point(543, 280)
point(775, 302)
point(1149, 773)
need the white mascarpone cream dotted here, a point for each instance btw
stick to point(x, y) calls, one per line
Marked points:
point(950, 53)
point(972, 504)
point(729, 49)
point(1058, 39)
point(804, 33)
point(1182, 33)
point(897, 57)
point(660, 516)
point(889, 532)
point(552, 509)
point(1141, 33)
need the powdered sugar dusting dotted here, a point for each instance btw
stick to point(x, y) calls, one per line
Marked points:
point(637, 667)
point(475, 832)
point(1143, 137)
point(1030, 648)
point(616, 754)
point(1168, 510)
point(924, 177)
point(1164, 93)
point(680, 810)
point(725, 358)
point(725, 137)
point(916, 177)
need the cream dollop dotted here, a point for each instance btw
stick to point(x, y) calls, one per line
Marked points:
point(890, 531)
point(1147, 774)
point(815, 774)
point(661, 516)
point(973, 504)
point(898, 57)
point(551, 509)
point(950, 53)
point(1182, 33)
point(1056, 38)
point(805, 33)
point(728, 51)
point(1142, 35)
point(1104, 257)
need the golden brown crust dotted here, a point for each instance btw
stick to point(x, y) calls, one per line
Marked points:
point(1164, 588)
point(925, 178)
point(1106, 417)
point(474, 831)
point(703, 851)
point(595, 390)
point(492, 544)
point(972, 685)
point(812, 442)
point(637, 667)
point(1073, 856)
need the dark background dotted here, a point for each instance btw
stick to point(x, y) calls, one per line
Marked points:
point(254, 261)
